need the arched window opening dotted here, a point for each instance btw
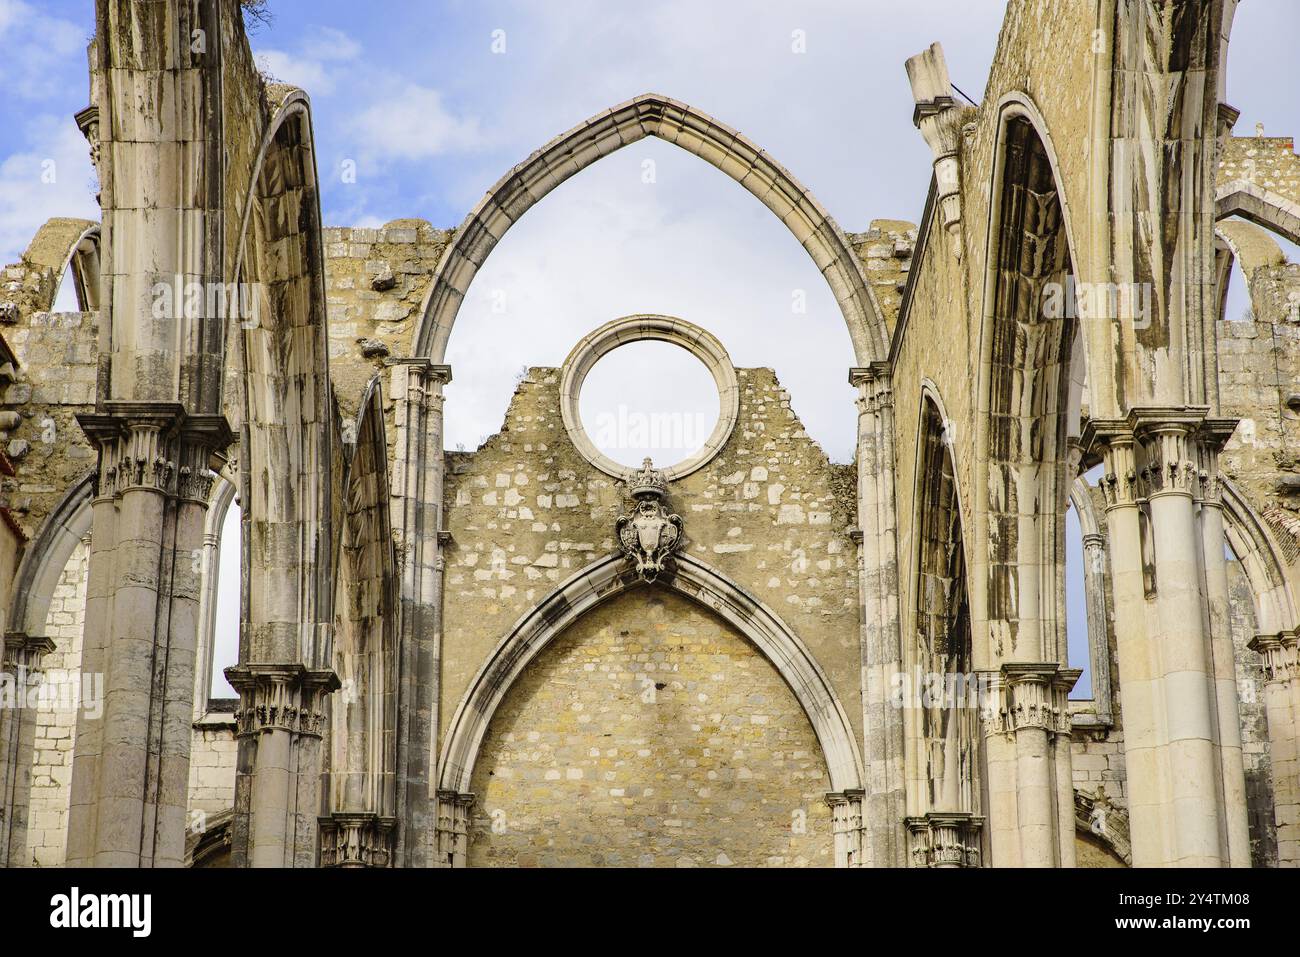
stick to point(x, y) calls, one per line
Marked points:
point(1076, 607)
point(225, 630)
point(651, 229)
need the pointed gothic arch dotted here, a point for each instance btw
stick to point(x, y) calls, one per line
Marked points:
point(1026, 393)
point(601, 581)
point(674, 122)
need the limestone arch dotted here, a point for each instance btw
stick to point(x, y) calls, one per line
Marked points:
point(1276, 609)
point(288, 424)
point(1024, 395)
point(363, 722)
point(607, 578)
point(47, 555)
point(943, 750)
point(62, 245)
point(1261, 206)
point(674, 122)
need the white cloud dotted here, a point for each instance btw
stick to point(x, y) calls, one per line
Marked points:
point(412, 123)
point(39, 50)
point(320, 59)
point(283, 67)
point(51, 178)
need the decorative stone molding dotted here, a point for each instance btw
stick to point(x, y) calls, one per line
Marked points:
point(679, 332)
point(649, 535)
point(1030, 695)
point(157, 446)
point(356, 840)
point(1281, 654)
point(23, 652)
point(452, 830)
point(280, 698)
point(944, 839)
point(1108, 822)
point(940, 121)
point(846, 826)
point(1160, 450)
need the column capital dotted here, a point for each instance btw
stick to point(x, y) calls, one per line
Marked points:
point(1281, 654)
point(356, 839)
point(426, 367)
point(154, 445)
point(280, 697)
point(1030, 695)
point(945, 839)
point(25, 651)
point(1157, 450)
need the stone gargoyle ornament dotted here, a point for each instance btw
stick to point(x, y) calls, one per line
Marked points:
point(649, 535)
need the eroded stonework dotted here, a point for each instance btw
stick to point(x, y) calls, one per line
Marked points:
point(519, 655)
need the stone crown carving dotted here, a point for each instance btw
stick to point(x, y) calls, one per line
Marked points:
point(649, 534)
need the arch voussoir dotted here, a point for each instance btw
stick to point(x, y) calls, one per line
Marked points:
point(697, 133)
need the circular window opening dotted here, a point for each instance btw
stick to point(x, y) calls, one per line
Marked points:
point(649, 399)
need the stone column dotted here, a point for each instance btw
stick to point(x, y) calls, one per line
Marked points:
point(1218, 625)
point(19, 663)
point(277, 780)
point(846, 826)
point(130, 773)
point(1186, 803)
point(1027, 743)
point(417, 478)
point(1281, 653)
point(451, 838)
point(884, 804)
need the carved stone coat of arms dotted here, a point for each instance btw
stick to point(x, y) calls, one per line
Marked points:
point(649, 535)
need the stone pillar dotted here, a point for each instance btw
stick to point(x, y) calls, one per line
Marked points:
point(1218, 623)
point(884, 804)
point(846, 826)
point(19, 664)
point(451, 839)
point(277, 780)
point(1027, 743)
point(1186, 801)
point(130, 774)
point(944, 839)
point(356, 840)
point(1281, 653)
point(417, 478)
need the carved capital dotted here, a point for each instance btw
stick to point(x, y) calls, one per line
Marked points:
point(356, 840)
point(155, 446)
point(23, 652)
point(451, 831)
point(274, 697)
point(1281, 654)
point(1030, 695)
point(846, 825)
point(944, 839)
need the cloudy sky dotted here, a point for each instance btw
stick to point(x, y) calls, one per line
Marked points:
point(433, 101)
